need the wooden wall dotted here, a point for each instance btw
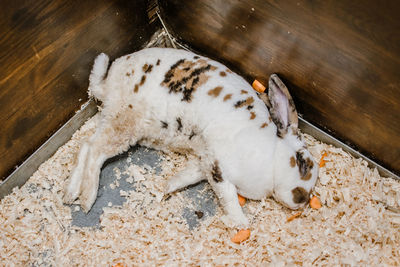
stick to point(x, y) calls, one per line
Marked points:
point(46, 52)
point(341, 59)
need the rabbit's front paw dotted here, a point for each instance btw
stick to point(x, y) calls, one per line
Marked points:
point(235, 221)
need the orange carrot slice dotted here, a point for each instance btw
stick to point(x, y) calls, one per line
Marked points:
point(241, 236)
point(259, 87)
point(315, 203)
point(294, 216)
point(119, 265)
point(322, 161)
point(242, 200)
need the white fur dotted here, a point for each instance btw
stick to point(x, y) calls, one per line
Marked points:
point(97, 75)
point(253, 160)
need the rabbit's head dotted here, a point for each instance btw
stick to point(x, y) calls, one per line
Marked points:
point(295, 171)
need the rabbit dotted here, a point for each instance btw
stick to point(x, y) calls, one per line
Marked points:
point(243, 142)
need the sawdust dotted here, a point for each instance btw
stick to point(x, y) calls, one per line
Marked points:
point(359, 223)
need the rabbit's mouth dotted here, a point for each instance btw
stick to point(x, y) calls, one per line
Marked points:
point(285, 199)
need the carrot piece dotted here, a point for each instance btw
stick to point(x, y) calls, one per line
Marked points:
point(242, 200)
point(315, 203)
point(259, 87)
point(322, 161)
point(241, 236)
point(294, 216)
point(119, 265)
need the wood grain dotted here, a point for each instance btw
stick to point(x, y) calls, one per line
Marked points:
point(340, 59)
point(46, 52)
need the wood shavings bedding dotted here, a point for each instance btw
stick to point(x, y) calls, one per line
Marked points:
point(359, 223)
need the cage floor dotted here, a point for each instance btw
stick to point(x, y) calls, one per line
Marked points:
point(131, 224)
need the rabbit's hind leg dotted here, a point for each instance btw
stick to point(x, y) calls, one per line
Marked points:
point(72, 189)
point(109, 140)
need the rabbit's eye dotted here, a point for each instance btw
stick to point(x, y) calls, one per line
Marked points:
point(305, 166)
point(301, 163)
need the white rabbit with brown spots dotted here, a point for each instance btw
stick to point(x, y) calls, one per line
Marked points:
point(175, 100)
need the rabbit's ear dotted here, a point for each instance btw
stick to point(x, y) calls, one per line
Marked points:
point(282, 109)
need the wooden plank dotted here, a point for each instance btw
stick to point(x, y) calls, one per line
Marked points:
point(46, 52)
point(341, 59)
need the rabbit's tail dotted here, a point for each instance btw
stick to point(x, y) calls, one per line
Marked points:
point(96, 79)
